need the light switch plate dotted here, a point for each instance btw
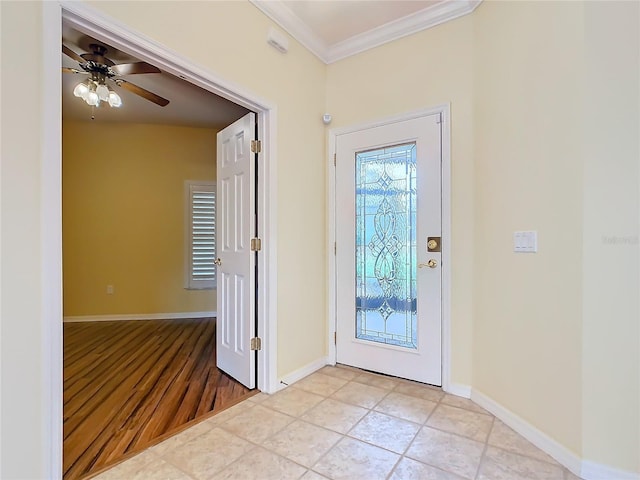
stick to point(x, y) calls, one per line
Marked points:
point(525, 241)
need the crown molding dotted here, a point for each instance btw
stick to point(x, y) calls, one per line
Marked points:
point(402, 27)
point(405, 26)
point(291, 23)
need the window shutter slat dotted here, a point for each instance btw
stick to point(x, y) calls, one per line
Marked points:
point(202, 236)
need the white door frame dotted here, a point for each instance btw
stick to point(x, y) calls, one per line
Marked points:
point(444, 110)
point(87, 19)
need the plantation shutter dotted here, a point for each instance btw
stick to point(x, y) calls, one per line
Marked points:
point(202, 236)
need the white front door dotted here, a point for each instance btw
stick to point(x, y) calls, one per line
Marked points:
point(235, 212)
point(388, 207)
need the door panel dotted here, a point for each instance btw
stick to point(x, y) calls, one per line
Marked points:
point(236, 272)
point(388, 197)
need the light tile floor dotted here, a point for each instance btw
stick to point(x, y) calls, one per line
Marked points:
point(343, 423)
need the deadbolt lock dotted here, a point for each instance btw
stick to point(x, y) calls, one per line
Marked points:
point(433, 244)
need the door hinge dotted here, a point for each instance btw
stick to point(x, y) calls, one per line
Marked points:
point(335, 248)
point(335, 159)
point(256, 146)
point(335, 338)
point(256, 244)
point(256, 343)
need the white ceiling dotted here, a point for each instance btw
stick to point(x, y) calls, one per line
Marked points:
point(189, 104)
point(336, 29)
point(336, 22)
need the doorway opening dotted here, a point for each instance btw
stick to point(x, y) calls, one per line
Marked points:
point(87, 20)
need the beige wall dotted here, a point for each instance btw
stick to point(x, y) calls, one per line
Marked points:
point(556, 135)
point(611, 218)
point(123, 216)
point(408, 74)
point(524, 331)
point(528, 160)
point(21, 352)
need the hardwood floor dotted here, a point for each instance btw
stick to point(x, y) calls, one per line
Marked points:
point(126, 384)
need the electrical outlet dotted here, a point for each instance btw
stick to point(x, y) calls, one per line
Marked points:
point(109, 289)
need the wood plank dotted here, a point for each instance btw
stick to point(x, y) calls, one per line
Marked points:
point(127, 385)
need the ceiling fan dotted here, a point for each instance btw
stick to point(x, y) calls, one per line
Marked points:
point(101, 69)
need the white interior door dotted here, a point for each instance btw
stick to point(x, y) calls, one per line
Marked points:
point(236, 262)
point(389, 284)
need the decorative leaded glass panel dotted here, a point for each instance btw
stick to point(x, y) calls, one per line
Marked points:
point(386, 245)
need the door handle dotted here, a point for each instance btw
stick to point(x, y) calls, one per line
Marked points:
point(217, 262)
point(431, 264)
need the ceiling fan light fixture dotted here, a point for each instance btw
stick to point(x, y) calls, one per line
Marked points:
point(93, 92)
point(81, 90)
point(101, 70)
point(103, 92)
point(114, 99)
point(92, 99)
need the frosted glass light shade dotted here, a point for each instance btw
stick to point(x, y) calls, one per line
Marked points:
point(114, 99)
point(81, 90)
point(93, 93)
point(103, 92)
point(92, 99)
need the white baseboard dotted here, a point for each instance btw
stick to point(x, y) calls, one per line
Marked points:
point(582, 468)
point(139, 316)
point(541, 440)
point(299, 374)
point(458, 389)
point(597, 471)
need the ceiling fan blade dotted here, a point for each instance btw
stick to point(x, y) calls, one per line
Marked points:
point(92, 57)
point(134, 68)
point(73, 70)
point(157, 99)
point(70, 53)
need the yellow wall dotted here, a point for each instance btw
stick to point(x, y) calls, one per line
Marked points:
point(556, 134)
point(533, 115)
point(408, 74)
point(528, 160)
point(123, 216)
point(22, 354)
point(611, 281)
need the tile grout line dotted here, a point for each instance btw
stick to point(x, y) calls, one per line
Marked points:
point(529, 457)
point(401, 456)
point(299, 418)
point(189, 474)
point(395, 465)
point(484, 450)
point(256, 445)
point(346, 435)
point(424, 424)
point(421, 425)
point(161, 456)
